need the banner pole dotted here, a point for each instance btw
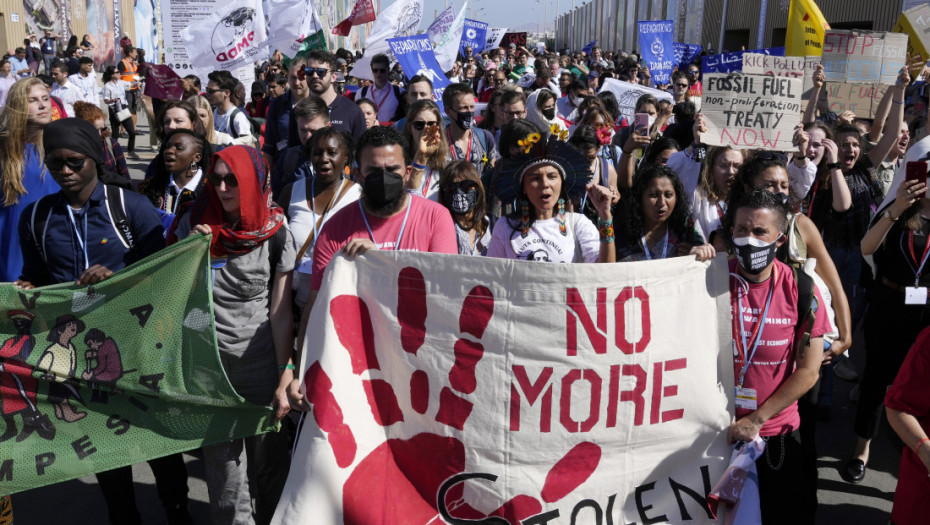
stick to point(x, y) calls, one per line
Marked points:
point(723, 26)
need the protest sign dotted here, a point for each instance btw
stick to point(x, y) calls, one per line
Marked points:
point(494, 37)
point(518, 39)
point(655, 46)
point(440, 388)
point(363, 12)
point(733, 62)
point(861, 99)
point(446, 44)
point(145, 376)
point(805, 31)
point(863, 57)
point(441, 25)
point(915, 23)
point(295, 26)
point(236, 33)
point(787, 66)
point(415, 55)
point(628, 93)
point(400, 19)
point(163, 83)
point(474, 36)
point(751, 111)
point(685, 54)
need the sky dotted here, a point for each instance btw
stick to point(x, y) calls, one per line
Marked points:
point(514, 14)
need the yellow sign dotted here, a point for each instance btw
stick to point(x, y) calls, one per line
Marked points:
point(806, 27)
point(915, 23)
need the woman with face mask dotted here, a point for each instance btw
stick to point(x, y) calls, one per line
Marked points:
point(540, 110)
point(425, 136)
point(309, 203)
point(461, 191)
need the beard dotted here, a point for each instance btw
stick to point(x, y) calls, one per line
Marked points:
point(388, 208)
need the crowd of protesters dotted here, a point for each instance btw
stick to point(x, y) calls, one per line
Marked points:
point(526, 158)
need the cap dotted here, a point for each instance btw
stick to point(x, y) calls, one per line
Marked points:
point(20, 314)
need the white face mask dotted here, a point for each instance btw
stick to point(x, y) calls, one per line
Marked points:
point(652, 120)
point(577, 101)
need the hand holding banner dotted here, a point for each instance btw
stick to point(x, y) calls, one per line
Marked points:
point(751, 111)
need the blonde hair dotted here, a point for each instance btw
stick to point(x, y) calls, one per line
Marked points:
point(706, 183)
point(14, 131)
point(201, 102)
point(437, 160)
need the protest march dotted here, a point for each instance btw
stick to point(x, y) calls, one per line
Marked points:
point(331, 281)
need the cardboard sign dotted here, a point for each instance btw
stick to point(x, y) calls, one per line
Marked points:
point(915, 23)
point(787, 66)
point(441, 393)
point(863, 57)
point(862, 99)
point(733, 62)
point(751, 111)
point(514, 38)
point(628, 93)
point(655, 44)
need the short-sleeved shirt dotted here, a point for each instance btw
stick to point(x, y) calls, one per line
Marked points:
point(236, 126)
point(544, 241)
point(428, 228)
point(346, 116)
point(774, 360)
point(893, 258)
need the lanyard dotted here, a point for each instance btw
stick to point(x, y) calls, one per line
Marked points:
point(467, 153)
point(402, 226)
point(923, 260)
point(429, 176)
point(719, 211)
point(318, 224)
point(810, 203)
point(387, 91)
point(756, 336)
point(664, 246)
point(82, 240)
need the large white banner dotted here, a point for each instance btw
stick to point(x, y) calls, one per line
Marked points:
point(446, 46)
point(233, 36)
point(628, 93)
point(451, 388)
point(402, 18)
point(290, 22)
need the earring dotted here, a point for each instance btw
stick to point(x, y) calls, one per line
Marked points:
point(562, 218)
point(193, 167)
point(524, 217)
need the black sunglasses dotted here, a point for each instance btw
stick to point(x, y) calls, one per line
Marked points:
point(420, 124)
point(464, 185)
point(75, 165)
point(216, 180)
point(379, 70)
point(316, 71)
point(211, 91)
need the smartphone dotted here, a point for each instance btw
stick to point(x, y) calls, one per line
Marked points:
point(916, 170)
point(641, 123)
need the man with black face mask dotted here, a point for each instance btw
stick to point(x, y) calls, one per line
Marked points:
point(386, 217)
point(773, 367)
point(465, 140)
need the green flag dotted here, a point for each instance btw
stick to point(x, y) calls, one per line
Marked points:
point(98, 377)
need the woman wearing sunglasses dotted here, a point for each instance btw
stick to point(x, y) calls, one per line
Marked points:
point(461, 191)
point(253, 257)
point(425, 135)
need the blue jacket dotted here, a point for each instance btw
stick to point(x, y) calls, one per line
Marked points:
point(64, 257)
point(38, 183)
point(280, 125)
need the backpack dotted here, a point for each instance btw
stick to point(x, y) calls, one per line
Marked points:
point(255, 125)
point(807, 307)
point(401, 101)
point(116, 208)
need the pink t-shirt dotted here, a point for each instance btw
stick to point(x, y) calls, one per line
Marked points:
point(774, 360)
point(429, 228)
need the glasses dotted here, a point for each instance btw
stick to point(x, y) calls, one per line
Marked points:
point(420, 124)
point(516, 114)
point(464, 185)
point(315, 71)
point(75, 165)
point(693, 72)
point(499, 80)
point(379, 71)
point(216, 180)
point(681, 85)
point(211, 91)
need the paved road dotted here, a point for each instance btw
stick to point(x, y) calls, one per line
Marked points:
point(868, 503)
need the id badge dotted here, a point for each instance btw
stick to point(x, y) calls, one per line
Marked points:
point(281, 144)
point(746, 398)
point(306, 266)
point(915, 295)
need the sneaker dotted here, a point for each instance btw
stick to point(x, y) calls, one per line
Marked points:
point(846, 371)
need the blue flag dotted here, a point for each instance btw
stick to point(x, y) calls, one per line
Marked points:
point(474, 35)
point(415, 54)
point(588, 48)
point(685, 54)
point(655, 45)
point(733, 62)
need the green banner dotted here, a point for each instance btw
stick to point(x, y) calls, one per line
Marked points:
point(97, 377)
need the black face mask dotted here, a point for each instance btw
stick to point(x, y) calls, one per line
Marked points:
point(382, 187)
point(754, 255)
point(461, 202)
point(782, 197)
point(549, 113)
point(465, 119)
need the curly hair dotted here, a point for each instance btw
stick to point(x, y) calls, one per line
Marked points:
point(679, 221)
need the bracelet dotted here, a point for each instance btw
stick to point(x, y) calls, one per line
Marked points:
point(919, 443)
point(289, 366)
point(417, 166)
point(893, 101)
point(606, 229)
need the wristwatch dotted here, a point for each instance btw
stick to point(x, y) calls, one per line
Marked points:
point(887, 215)
point(835, 165)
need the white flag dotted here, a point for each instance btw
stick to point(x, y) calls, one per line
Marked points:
point(446, 47)
point(291, 21)
point(442, 24)
point(495, 35)
point(402, 18)
point(232, 37)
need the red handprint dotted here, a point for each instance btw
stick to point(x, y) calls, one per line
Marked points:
point(401, 477)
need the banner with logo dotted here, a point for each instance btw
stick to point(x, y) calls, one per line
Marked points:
point(232, 37)
point(806, 28)
point(363, 12)
point(400, 19)
point(94, 378)
point(163, 83)
point(655, 46)
point(685, 54)
point(628, 93)
point(415, 54)
point(293, 23)
point(441, 25)
point(474, 35)
point(446, 44)
point(495, 35)
point(453, 388)
point(733, 62)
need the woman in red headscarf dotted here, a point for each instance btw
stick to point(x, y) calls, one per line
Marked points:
point(253, 256)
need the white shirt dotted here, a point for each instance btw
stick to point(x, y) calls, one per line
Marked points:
point(801, 179)
point(69, 94)
point(87, 86)
point(565, 109)
point(544, 242)
point(688, 171)
point(707, 214)
point(384, 100)
point(116, 89)
point(191, 185)
point(241, 124)
point(429, 185)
